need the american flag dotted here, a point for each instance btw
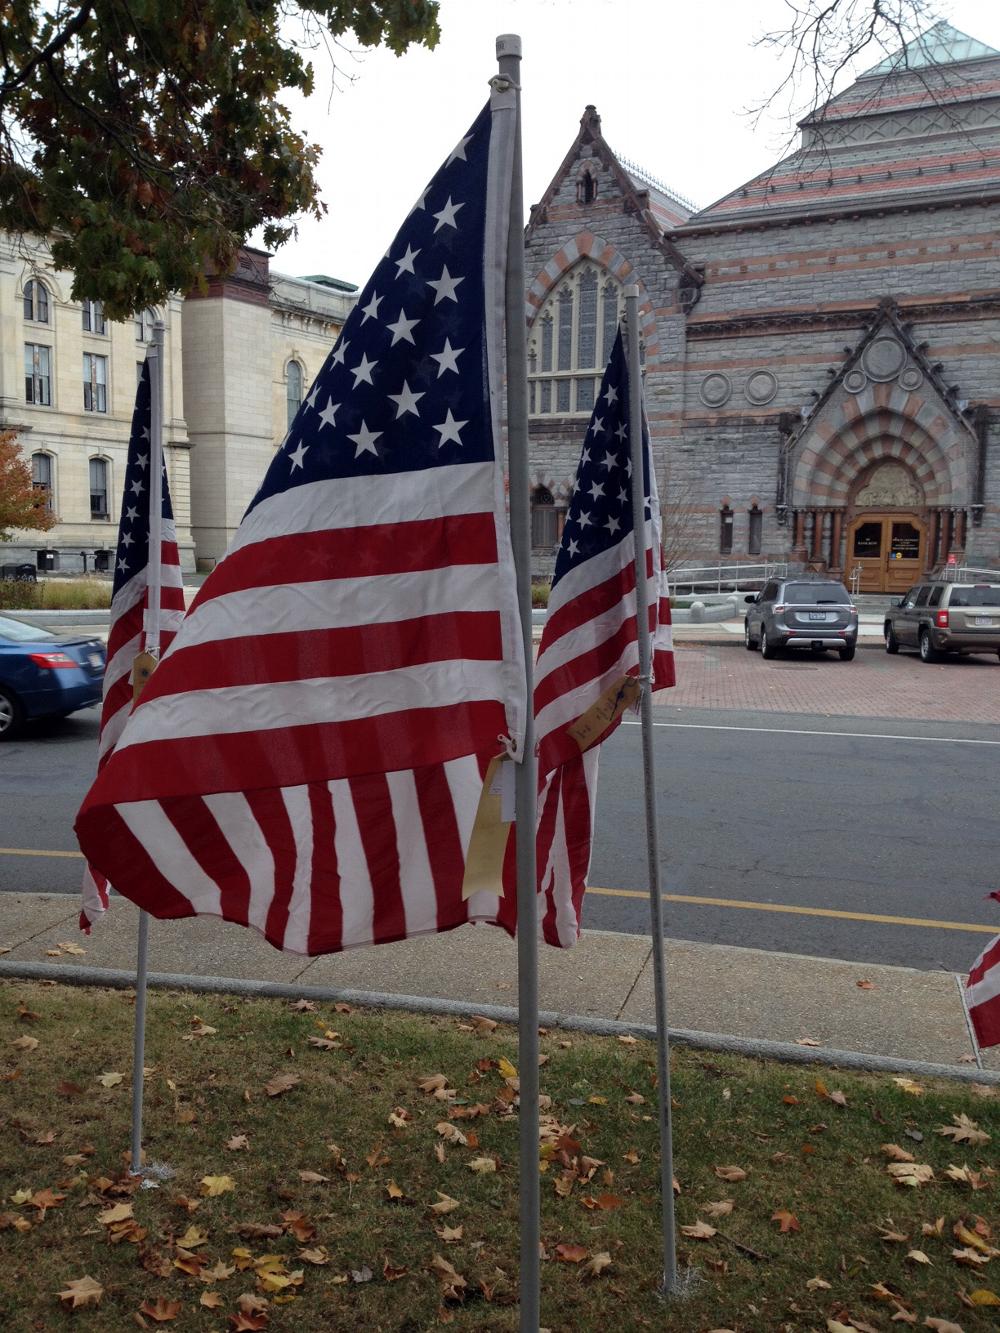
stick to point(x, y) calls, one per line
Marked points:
point(590, 646)
point(309, 755)
point(129, 602)
point(982, 993)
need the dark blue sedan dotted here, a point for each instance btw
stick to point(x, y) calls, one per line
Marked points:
point(42, 675)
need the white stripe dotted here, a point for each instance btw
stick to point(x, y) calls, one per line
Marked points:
point(339, 603)
point(415, 878)
point(584, 639)
point(350, 502)
point(152, 828)
point(300, 906)
point(240, 829)
point(465, 785)
point(113, 728)
point(121, 664)
point(352, 866)
point(568, 707)
point(233, 710)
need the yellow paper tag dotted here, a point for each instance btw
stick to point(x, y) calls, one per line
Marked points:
point(609, 707)
point(488, 844)
point(143, 666)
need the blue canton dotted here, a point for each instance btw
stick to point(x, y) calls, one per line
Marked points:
point(600, 513)
point(405, 387)
point(132, 553)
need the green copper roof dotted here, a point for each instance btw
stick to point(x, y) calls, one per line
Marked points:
point(940, 45)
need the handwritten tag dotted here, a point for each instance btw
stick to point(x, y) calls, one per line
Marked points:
point(609, 708)
point(488, 844)
point(143, 666)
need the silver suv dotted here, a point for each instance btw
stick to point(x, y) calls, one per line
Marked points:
point(940, 617)
point(802, 613)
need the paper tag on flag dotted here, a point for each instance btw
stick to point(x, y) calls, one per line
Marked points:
point(488, 844)
point(143, 666)
point(608, 708)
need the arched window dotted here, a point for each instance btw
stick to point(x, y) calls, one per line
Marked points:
point(293, 389)
point(544, 520)
point(98, 488)
point(144, 322)
point(586, 188)
point(756, 530)
point(36, 301)
point(41, 478)
point(725, 530)
point(571, 340)
point(93, 317)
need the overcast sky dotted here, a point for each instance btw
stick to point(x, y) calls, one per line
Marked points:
point(671, 82)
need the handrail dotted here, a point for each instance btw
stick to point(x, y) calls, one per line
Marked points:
point(738, 574)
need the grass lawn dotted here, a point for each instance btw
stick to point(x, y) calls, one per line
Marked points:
point(56, 595)
point(338, 1170)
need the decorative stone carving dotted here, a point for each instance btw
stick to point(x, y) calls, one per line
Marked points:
point(761, 387)
point(910, 378)
point(884, 358)
point(855, 381)
point(715, 390)
point(890, 487)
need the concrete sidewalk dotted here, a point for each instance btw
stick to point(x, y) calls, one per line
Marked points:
point(713, 989)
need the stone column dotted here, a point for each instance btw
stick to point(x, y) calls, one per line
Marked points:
point(816, 550)
point(934, 540)
point(960, 533)
point(799, 535)
point(948, 525)
point(836, 532)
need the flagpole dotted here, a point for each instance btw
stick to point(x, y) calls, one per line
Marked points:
point(151, 645)
point(525, 797)
point(652, 835)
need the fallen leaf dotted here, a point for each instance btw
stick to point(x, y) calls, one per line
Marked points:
point(391, 1272)
point(965, 1176)
point(393, 1191)
point(46, 1198)
point(110, 1080)
point(161, 1311)
point(445, 1204)
point(970, 1258)
point(942, 1325)
point(865, 985)
point(26, 1043)
point(82, 1292)
point(963, 1130)
point(910, 1173)
point(717, 1207)
point(806, 1041)
point(908, 1085)
point(450, 1234)
point(212, 1186)
point(317, 1256)
point(118, 1213)
point(238, 1143)
point(596, 1264)
point(569, 1253)
point(699, 1231)
point(917, 1257)
point(281, 1083)
point(896, 1153)
point(506, 1069)
point(210, 1299)
point(984, 1297)
point(786, 1221)
point(313, 1178)
point(482, 1165)
point(817, 1284)
point(829, 1095)
point(219, 1273)
point(627, 1039)
point(730, 1173)
point(304, 1007)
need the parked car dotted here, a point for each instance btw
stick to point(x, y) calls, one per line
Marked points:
point(939, 617)
point(802, 613)
point(44, 675)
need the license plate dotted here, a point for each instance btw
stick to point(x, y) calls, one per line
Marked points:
point(817, 615)
point(982, 620)
point(95, 660)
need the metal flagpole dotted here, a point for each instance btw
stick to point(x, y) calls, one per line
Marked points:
point(652, 838)
point(525, 797)
point(151, 646)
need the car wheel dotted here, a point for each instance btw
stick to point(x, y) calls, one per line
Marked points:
point(847, 652)
point(11, 716)
point(891, 642)
point(748, 642)
point(767, 648)
point(928, 653)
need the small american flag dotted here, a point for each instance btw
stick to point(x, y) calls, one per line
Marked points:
point(982, 993)
point(589, 647)
point(128, 605)
point(309, 755)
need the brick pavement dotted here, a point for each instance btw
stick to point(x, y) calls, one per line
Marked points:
point(724, 675)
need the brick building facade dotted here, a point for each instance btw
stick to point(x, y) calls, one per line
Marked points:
point(821, 346)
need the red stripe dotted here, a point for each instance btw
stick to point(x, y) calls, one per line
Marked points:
point(361, 552)
point(356, 650)
point(587, 606)
point(124, 858)
point(373, 807)
point(271, 814)
point(326, 916)
point(290, 756)
point(589, 665)
point(207, 844)
point(986, 1020)
point(444, 842)
point(988, 959)
point(576, 817)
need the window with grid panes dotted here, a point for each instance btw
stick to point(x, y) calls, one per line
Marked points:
point(293, 390)
point(95, 383)
point(570, 342)
point(41, 476)
point(93, 317)
point(544, 520)
point(98, 488)
point(38, 374)
point(36, 301)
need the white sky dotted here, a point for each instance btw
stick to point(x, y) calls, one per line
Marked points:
point(671, 82)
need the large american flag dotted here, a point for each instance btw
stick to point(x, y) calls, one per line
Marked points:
point(309, 755)
point(982, 994)
point(590, 646)
point(129, 602)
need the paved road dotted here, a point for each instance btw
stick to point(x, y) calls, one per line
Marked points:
point(845, 817)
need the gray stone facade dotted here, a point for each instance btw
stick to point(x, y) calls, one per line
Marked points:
point(824, 330)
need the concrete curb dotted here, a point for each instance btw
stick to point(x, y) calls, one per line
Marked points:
point(706, 1041)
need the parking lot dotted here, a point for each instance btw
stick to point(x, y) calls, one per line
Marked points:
point(722, 674)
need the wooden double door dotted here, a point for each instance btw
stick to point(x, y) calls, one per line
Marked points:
point(889, 549)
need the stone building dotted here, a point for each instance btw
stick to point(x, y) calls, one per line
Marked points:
point(239, 358)
point(821, 346)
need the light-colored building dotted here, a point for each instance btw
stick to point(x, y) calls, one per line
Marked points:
point(239, 358)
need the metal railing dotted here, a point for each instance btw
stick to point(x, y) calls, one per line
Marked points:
point(725, 577)
point(960, 573)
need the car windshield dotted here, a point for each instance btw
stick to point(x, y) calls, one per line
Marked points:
point(982, 595)
point(15, 631)
point(815, 594)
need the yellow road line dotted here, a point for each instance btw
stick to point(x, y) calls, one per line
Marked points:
point(36, 851)
point(695, 901)
point(803, 911)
